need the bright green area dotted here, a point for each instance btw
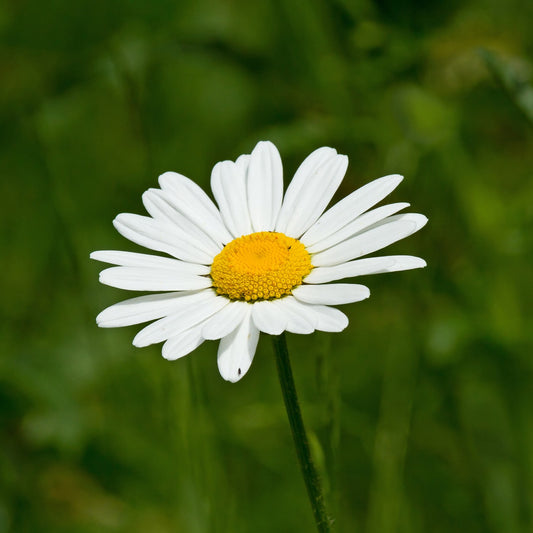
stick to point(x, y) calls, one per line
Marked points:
point(420, 413)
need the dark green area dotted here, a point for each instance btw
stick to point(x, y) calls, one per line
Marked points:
point(420, 413)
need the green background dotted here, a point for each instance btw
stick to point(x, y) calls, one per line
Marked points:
point(420, 412)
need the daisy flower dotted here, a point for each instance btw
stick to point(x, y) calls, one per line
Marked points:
point(261, 261)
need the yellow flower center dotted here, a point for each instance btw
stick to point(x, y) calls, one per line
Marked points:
point(260, 266)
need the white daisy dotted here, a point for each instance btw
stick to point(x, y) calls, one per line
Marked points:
point(260, 262)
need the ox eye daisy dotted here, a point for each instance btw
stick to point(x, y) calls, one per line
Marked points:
point(258, 261)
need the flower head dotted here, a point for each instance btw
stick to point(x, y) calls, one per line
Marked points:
point(261, 261)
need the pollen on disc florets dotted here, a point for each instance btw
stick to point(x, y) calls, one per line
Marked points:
point(260, 266)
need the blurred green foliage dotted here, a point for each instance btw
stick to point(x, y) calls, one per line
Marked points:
point(421, 412)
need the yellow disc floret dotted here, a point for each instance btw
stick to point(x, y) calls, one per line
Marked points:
point(260, 266)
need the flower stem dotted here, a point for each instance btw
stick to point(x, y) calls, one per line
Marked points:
point(310, 474)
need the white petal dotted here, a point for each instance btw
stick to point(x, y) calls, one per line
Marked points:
point(181, 320)
point(144, 308)
point(161, 236)
point(296, 187)
point(357, 226)
point(152, 279)
point(317, 194)
point(298, 319)
point(321, 317)
point(363, 267)
point(268, 318)
point(190, 200)
point(265, 186)
point(350, 207)
point(236, 351)
point(332, 294)
point(243, 162)
point(307, 173)
point(225, 321)
point(379, 236)
point(328, 318)
point(158, 203)
point(183, 343)
point(228, 183)
point(133, 259)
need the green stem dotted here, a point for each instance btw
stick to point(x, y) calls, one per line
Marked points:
point(310, 474)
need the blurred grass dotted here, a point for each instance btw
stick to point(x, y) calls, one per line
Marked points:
point(421, 411)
